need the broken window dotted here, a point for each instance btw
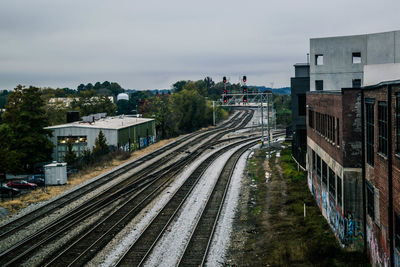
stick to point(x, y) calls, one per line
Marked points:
point(339, 190)
point(370, 127)
point(324, 173)
point(356, 58)
point(313, 160)
point(332, 182)
point(382, 127)
point(397, 230)
point(319, 59)
point(370, 200)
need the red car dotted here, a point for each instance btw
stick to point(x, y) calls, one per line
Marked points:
point(21, 184)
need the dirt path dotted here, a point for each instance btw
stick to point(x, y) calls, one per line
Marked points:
point(262, 206)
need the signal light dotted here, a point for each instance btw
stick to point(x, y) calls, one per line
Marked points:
point(244, 79)
point(244, 99)
point(224, 79)
point(225, 91)
point(225, 99)
point(244, 89)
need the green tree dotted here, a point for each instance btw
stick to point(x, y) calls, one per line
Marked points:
point(166, 120)
point(124, 107)
point(26, 118)
point(178, 86)
point(9, 157)
point(115, 89)
point(81, 87)
point(70, 155)
point(100, 145)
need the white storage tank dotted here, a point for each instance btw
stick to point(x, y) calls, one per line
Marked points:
point(122, 96)
point(55, 173)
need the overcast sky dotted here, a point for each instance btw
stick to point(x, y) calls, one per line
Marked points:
point(152, 44)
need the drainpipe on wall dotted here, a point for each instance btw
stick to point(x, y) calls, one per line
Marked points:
point(390, 182)
point(364, 200)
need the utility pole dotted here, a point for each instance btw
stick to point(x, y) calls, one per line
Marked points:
point(262, 121)
point(269, 133)
point(214, 113)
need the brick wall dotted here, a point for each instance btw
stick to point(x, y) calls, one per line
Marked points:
point(378, 176)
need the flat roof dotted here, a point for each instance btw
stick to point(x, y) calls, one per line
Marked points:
point(355, 35)
point(118, 122)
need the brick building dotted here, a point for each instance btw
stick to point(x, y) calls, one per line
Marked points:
point(334, 161)
point(381, 104)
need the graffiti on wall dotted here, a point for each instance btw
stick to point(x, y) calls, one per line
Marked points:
point(348, 229)
point(396, 257)
point(143, 142)
point(378, 257)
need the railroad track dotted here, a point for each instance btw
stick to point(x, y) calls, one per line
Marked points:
point(23, 249)
point(197, 248)
point(141, 249)
point(21, 222)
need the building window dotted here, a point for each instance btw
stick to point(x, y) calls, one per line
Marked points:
point(398, 124)
point(79, 144)
point(339, 190)
point(319, 59)
point(313, 160)
point(356, 83)
point(337, 132)
point(318, 166)
point(319, 85)
point(324, 173)
point(382, 127)
point(356, 58)
point(397, 231)
point(369, 121)
point(302, 104)
point(332, 182)
point(370, 200)
point(311, 118)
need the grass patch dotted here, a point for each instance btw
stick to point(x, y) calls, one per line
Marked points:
point(276, 232)
point(308, 241)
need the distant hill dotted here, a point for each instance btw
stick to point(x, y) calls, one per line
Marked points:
point(154, 91)
point(279, 91)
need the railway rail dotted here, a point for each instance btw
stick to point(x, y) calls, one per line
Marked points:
point(139, 251)
point(29, 218)
point(22, 249)
point(197, 248)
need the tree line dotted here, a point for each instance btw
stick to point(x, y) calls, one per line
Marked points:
point(24, 142)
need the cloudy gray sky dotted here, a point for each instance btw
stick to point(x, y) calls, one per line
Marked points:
point(151, 44)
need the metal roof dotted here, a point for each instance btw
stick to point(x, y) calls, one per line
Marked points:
point(115, 123)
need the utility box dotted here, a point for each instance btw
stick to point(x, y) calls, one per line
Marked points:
point(55, 173)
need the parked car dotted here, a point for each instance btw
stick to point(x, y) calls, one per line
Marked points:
point(22, 184)
point(6, 191)
point(37, 179)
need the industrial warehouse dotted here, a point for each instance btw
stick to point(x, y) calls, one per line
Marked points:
point(124, 132)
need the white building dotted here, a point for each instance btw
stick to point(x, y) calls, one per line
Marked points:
point(126, 132)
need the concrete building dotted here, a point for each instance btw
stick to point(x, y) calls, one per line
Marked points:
point(124, 132)
point(353, 137)
point(334, 160)
point(300, 85)
point(338, 62)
